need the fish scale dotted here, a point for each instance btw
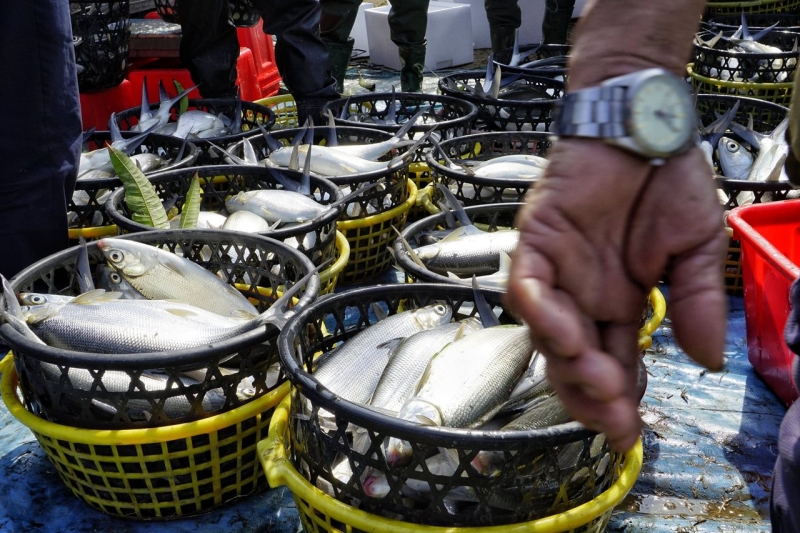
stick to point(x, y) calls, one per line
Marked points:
point(474, 254)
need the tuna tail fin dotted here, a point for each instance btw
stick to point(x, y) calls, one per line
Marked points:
point(449, 161)
point(745, 30)
point(498, 76)
point(488, 78)
point(288, 183)
point(345, 109)
point(85, 281)
point(305, 180)
point(272, 142)
point(409, 250)
point(162, 92)
point(456, 207)
point(298, 138)
point(331, 138)
point(763, 32)
point(144, 108)
point(515, 57)
point(166, 105)
point(391, 116)
point(717, 129)
point(181, 151)
point(488, 318)
point(131, 144)
point(294, 159)
point(234, 159)
point(449, 219)
point(751, 137)
point(280, 313)
point(408, 125)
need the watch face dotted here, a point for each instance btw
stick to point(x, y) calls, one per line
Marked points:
point(661, 115)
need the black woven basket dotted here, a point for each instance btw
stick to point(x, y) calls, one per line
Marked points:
point(474, 190)
point(219, 182)
point(93, 191)
point(453, 116)
point(497, 114)
point(749, 7)
point(530, 53)
point(257, 265)
point(253, 115)
point(786, 22)
point(723, 63)
point(103, 45)
point(490, 218)
point(546, 471)
point(168, 10)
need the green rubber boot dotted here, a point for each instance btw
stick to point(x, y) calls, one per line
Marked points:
point(502, 37)
point(339, 55)
point(413, 60)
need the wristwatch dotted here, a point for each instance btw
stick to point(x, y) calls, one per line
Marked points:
point(649, 112)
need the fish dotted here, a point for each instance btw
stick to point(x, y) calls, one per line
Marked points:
point(346, 372)
point(160, 117)
point(196, 122)
point(36, 298)
point(148, 162)
point(408, 360)
point(711, 134)
point(510, 171)
point(247, 222)
point(373, 151)
point(734, 158)
point(99, 160)
point(111, 281)
point(466, 383)
point(498, 280)
point(160, 274)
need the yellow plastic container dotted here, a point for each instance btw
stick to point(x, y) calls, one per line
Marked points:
point(329, 276)
point(284, 108)
point(90, 233)
point(322, 513)
point(780, 93)
point(371, 237)
point(752, 7)
point(156, 473)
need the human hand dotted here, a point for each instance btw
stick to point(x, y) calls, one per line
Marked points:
point(597, 233)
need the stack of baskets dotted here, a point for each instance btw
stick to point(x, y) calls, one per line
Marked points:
point(131, 450)
point(101, 31)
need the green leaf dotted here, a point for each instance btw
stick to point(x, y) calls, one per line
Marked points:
point(183, 105)
point(191, 207)
point(140, 195)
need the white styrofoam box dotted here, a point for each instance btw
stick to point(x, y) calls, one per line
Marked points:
point(449, 36)
point(530, 31)
point(359, 31)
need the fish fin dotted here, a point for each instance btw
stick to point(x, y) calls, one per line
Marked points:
point(275, 225)
point(272, 143)
point(488, 318)
point(763, 32)
point(449, 219)
point(294, 159)
point(455, 205)
point(409, 250)
point(241, 313)
point(505, 263)
point(398, 161)
point(391, 116)
point(462, 329)
point(331, 140)
point(96, 296)
point(408, 125)
point(498, 76)
point(391, 344)
point(11, 302)
point(85, 281)
point(288, 183)
point(380, 314)
point(425, 421)
point(280, 313)
point(301, 134)
point(461, 232)
point(747, 134)
point(453, 276)
point(488, 77)
point(515, 57)
point(345, 109)
point(449, 161)
point(265, 213)
point(305, 180)
point(234, 158)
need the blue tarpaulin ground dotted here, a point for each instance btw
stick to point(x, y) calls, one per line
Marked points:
point(709, 450)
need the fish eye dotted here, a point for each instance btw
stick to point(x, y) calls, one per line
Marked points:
point(732, 147)
point(37, 300)
point(115, 278)
point(115, 256)
point(440, 310)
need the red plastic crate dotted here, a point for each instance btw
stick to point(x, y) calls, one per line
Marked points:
point(770, 237)
point(96, 107)
point(260, 44)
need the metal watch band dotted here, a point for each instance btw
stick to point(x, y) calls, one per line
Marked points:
point(597, 112)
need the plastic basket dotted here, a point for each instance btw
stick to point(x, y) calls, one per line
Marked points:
point(453, 116)
point(724, 63)
point(220, 181)
point(779, 93)
point(770, 258)
point(542, 475)
point(285, 109)
point(164, 473)
point(329, 276)
point(371, 238)
point(90, 220)
point(785, 21)
point(754, 6)
point(253, 115)
point(498, 114)
point(321, 513)
point(542, 51)
point(73, 388)
point(168, 10)
point(474, 190)
point(103, 31)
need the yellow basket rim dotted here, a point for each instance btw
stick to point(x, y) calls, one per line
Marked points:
point(111, 437)
point(92, 232)
point(343, 246)
point(379, 218)
point(736, 84)
point(279, 471)
point(273, 100)
point(424, 199)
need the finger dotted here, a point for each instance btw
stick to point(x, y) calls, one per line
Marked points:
point(599, 375)
point(699, 305)
point(622, 342)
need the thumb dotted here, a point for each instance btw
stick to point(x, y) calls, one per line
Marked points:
point(699, 307)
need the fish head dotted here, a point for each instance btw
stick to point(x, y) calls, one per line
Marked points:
point(376, 485)
point(35, 314)
point(131, 259)
point(432, 316)
point(399, 452)
point(236, 202)
point(488, 464)
point(111, 280)
point(734, 159)
point(33, 298)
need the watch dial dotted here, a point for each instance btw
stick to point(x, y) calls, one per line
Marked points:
point(661, 120)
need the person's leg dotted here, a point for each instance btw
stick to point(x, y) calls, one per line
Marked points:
point(408, 21)
point(504, 18)
point(300, 53)
point(40, 133)
point(335, 25)
point(557, 16)
point(209, 46)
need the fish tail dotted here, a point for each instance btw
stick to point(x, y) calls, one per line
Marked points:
point(458, 209)
point(280, 313)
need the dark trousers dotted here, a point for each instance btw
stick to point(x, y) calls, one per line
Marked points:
point(408, 21)
point(210, 47)
point(40, 130)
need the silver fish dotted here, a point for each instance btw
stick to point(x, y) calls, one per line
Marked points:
point(277, 205)
point(466, 383)
point(112, 281)
point(510, 170)
point(734, 159)
point(468, 251)
point(148, 162)
point(247, 222)
point(349, 374)
point(326, 161)
point(159, 274)
point(35, 298)
point(195, 121)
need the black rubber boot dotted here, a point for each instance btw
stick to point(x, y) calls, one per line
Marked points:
point(339, 55)
point(413, 60)
point(557, 17)
point(502, 37)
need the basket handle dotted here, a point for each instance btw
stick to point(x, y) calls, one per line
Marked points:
point(272, 450)
point(6, 363)
point(659, 312)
